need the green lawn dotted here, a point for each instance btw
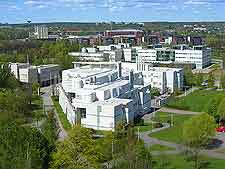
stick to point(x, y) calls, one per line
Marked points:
point(37, 107)
point(158, 147)
point(172, 134)
point(179, 162)
point(145, 127)
point(198, 101)
point(62, 116)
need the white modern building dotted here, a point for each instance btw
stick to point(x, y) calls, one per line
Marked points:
point(95, 54)
point(99, 96)
point(41, 32)
point(163, 78)
point(114, 47)
point(200, 56)
point(92, 56)
point(45, 75)
point(130, 54)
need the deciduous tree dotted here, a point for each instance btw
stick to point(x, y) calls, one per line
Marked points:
point(197, 133)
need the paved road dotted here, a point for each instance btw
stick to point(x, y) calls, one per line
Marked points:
point(49, 105)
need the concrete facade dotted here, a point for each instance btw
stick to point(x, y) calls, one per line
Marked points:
point(163, 78)
point(102, 97)
point(198, 55)
point(45, 75)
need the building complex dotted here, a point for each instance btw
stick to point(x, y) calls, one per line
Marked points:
point(45, 75)
point(100, 96)
point(167, 80)
point(200, 56)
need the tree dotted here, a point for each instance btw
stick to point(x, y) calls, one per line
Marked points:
point(198, 79)
point(77, 151)
point(135, 156)
point(14, 103)
point(212, 107)
point(222, 81)
point(7, 80)
point(211, 81)
point(188, 77)
point(30, 150)
point(197, 133)
point(36, 88)
point(155, 92)
point(221, 110)
point(128, 151)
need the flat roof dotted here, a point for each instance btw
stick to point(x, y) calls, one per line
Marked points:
point(113, 84)
point(114, 102)
point(124, 30)
point(87, 72)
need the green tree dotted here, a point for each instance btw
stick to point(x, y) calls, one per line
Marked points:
point(211, 81)
point(36, 88)
point(198, 79)
point(7, 80)
point(14, 103)
point(77, 151)
point(30, 150)
point(212, 107)
point(127, 151)
point(188, 77)
point(222, 81)
point(221, 109)
point(155, 92)
point(197, 133)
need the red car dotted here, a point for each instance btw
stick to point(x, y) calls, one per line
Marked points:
point(221, 129)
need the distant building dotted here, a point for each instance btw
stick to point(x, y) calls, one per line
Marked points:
point(163, 78)
point(98, 96)
point(179, 40)
point(132, 36)
point(198, 55)
point(112, 53)
point(45, 75)
point(41, 32)
point(152, 39)
point(130, 54)
point(200, 29)
point(195, 40)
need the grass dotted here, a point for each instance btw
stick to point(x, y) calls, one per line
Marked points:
point(37, 107)
point(198, 101)
point(66, 124)
point(172, 134)
point(145, 127)
point(221, 151)
point(158, 147)
point(179, 162)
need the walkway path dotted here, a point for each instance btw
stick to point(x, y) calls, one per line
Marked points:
point(178, 148)
point(49, 105)
point(189, 91)
point(177, 111)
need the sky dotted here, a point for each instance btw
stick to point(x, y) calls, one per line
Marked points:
point(19, 11)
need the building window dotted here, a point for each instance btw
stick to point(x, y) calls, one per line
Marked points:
point(99, 109)
point(82, 113)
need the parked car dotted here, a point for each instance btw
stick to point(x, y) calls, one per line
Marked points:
point(220, 129)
